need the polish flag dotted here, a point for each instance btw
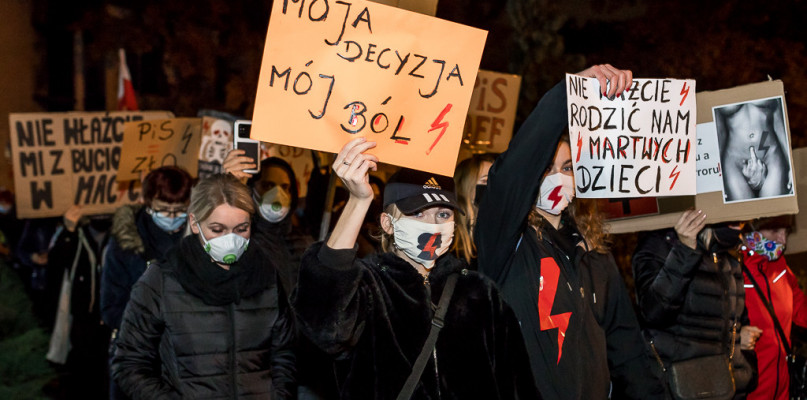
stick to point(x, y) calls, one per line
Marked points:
point(126, 93)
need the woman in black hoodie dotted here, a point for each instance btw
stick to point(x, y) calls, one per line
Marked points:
point(551, 264)
point(210, 321)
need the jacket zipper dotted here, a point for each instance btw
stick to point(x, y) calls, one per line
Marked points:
point(233, 374)
point(778, 340)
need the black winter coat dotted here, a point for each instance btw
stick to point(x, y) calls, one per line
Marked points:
point(375, 314)
point(690, 299)
point(576, 317)
point(173, 345)
point(135, 241)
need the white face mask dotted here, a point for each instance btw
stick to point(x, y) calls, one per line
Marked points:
point(225, 249)
point(555, 194)
point(421, 241)
point(275, 204)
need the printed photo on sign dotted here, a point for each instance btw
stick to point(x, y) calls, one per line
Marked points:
point(754, 150)
point(217, 141)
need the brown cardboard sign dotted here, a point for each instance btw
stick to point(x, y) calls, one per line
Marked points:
point(148, 145)
point(797, 241)
point(62, 159)
point(492, 114)
point(428, 7)
point(772, 149)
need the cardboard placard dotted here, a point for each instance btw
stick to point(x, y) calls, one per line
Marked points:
point(62, 159)
point(427, 7)
point(148, 145)
point(797, 241)
point(639, 144)
point(217, 141)
point(490, 119)
point(711, 196)
point(401, 79)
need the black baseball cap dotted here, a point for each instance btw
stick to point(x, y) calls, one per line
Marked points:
point(412, 190)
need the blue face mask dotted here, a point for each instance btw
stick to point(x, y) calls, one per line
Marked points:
point(169, 224)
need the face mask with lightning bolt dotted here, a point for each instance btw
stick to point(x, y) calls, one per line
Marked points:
point(555, 193)
point(422, 242)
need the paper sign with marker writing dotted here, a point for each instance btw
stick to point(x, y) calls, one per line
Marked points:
point(148, 145)
point(62, 159)
point(639, 144)
point(332, 71)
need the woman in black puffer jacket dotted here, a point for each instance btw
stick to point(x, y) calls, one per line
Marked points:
point(209, 321)
point(689, 286)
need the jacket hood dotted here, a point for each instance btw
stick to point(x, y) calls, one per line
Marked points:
point(124, 228)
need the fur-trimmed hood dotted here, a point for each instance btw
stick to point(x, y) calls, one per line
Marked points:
point(124, 228)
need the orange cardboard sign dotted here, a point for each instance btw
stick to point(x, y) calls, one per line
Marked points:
point(62, 159)
point(148, 145)
point(334, 71)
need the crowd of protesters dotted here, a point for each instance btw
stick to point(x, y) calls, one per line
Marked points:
point(497, 284)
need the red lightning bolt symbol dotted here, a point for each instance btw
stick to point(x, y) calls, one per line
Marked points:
point(429, 247)
point(685, 93)
point(555, 196)
point(438, 124)
point(579, 146)
point(550, 273)
point(674, 176)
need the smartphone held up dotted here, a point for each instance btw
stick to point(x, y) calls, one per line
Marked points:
point(251, 147)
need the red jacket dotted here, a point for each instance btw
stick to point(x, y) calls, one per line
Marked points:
point(781, 289)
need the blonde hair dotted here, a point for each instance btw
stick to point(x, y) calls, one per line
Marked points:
point(465, 177)
point(216, 190)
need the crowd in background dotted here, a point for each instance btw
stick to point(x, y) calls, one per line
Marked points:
point(218, 287)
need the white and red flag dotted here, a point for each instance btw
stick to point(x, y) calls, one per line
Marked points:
point(126, 93)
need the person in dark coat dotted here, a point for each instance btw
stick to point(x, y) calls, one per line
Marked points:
point(577, 319)
point(141, 233)
point(210, 320)
point(275, 193)
point(375, 313)
point(79, 339)
point(689, 286)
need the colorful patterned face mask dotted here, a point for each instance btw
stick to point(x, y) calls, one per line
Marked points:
point(764, 246)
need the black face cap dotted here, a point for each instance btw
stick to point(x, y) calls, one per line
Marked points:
point(412, 190)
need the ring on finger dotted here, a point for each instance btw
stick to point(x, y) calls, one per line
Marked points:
point(345, 162)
